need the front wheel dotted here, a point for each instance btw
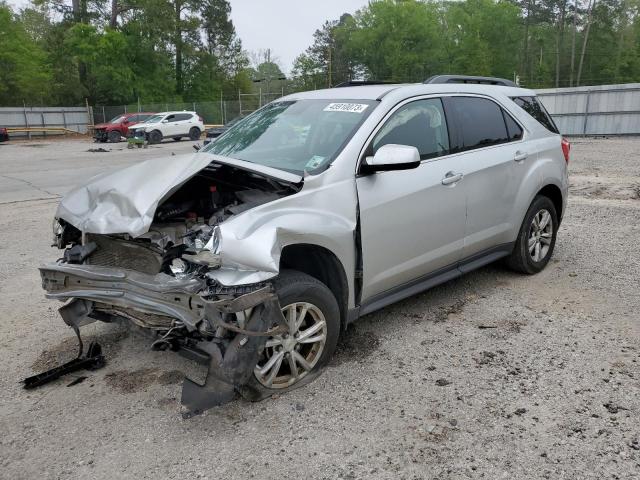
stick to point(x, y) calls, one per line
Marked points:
point(194, 133)
point(536, 239)
point(155, 136)
point(114, 136)
point(295, 358)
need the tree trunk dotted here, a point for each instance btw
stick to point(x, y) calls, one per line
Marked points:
point(623, 27)
point(584, 43)
point(113, 22)
point(525, 56)
point(573, 42)
point(178, 42)
point(559, 41)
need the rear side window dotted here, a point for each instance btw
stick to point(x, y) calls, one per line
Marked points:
point(183, 116)
point(533, 107)
point(513, 129)
point(421, 124)
point(480, 121)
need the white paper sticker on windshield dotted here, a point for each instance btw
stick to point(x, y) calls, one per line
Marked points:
point(346, 107)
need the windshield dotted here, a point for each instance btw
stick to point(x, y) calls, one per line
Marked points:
point(118, 119)
point(296, 135)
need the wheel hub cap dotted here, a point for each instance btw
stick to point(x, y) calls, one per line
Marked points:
point(540, 235)
point(288, 358)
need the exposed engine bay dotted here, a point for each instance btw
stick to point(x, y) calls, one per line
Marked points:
point(158, 280)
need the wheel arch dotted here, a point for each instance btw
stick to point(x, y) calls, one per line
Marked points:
point(323, 265)
point(553, 193)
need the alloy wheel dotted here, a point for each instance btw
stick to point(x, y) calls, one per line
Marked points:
point(540, 235)
point(288, 358)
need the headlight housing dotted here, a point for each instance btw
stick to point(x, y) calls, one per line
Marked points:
point(210, 254)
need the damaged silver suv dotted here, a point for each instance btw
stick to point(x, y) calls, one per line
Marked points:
point(255, 253)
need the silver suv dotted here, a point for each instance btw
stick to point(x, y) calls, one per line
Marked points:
point(255, 253)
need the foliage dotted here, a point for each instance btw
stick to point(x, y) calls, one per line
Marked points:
point(21, 60)
point(410, 40)
point(121, 51)
point(118, 51)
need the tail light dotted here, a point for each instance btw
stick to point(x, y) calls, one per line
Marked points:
point(200, 118)
point(566, 148)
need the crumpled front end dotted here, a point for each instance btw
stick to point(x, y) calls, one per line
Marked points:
point(163, 272)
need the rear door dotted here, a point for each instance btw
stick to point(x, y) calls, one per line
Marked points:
point(184, 122)
point(494, 157)
point(411, 223)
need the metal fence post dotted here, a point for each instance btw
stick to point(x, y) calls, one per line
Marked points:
point(26, 119)
point(586, 114)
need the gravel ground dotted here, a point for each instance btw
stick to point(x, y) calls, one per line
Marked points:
point(493, 375)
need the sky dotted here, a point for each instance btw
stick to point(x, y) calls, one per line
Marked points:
point(284, 26)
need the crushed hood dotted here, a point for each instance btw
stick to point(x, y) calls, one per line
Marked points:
point(125, 200)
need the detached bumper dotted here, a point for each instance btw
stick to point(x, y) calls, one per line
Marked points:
point(231, 357)
point(151, 294)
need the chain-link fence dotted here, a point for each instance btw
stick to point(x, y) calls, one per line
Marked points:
point(213, 113)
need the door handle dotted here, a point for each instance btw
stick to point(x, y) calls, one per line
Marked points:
point(451, 177)
point(520, 156)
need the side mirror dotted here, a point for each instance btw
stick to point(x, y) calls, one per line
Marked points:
point(165, 121)
point(392, 157)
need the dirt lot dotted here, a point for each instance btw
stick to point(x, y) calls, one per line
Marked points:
point(494, 375)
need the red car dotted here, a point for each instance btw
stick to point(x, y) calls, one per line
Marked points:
point(118, 126)
point(4, 134)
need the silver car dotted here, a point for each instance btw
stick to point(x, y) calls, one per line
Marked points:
point(255, 253)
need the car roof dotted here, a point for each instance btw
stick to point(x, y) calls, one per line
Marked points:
point(377, 92)
point(175, 111)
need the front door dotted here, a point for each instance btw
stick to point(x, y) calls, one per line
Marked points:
point(412, 221)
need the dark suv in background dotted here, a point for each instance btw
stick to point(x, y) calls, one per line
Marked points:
point(118, 126)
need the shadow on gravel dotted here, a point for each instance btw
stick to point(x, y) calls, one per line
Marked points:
point(355, 344)
point(125, 381)
point(68, 349)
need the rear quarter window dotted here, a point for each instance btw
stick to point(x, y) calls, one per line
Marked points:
point(534, 107)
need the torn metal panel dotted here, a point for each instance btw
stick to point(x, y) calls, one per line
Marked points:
point(125, 201)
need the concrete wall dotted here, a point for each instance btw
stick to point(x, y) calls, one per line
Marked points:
point(73, 118)
point(597, 110)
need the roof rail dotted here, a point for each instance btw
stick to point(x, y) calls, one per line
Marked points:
point(359, 83)
point(470, 79)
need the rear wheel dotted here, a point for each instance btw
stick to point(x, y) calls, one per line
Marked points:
point(114, 136)
point(536, 239)
point(194, 133)
point(295, 358)
point(155, 136)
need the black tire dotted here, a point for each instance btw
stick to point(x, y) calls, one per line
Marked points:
point(177, 139)
point(294, 286)
point(114, 136)
point(521, 260)
point(155, 136)
point(194, 133)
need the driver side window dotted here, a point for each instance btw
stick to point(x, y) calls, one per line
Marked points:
point(421, 124)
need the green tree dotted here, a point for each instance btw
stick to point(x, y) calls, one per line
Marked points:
point(22, 61)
